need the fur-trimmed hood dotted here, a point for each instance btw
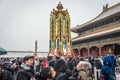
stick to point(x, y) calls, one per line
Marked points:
point(25, 67)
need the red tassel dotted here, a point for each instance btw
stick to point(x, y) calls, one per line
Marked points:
point(48, 55)
point(73, 54)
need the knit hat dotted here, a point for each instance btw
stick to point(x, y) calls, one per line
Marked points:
point(27, 58)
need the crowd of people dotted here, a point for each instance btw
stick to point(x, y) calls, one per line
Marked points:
point(57, 68)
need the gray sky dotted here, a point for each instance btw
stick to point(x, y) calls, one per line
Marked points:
point(24, 21)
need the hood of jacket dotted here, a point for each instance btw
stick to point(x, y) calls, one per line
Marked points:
point(60, 66)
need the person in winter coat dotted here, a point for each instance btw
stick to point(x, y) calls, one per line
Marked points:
point(60, 67)
point(26, 72)
point(47, 73)
point(98, 64)
point(52, 61)
point(108, 68)
point(62, 73)
point(84, 70)
point(8, 70)
point(44, 63)
point(69, 63)
point(62, 76)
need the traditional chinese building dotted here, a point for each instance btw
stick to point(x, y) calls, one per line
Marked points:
point(60, 34)
point(99, 35)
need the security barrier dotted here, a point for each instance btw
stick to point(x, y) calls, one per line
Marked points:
point(117, 73)
point(96, 74)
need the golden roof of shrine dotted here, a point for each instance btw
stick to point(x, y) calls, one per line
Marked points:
point(59, 10)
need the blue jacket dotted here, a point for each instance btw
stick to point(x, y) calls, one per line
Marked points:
point(109, 63)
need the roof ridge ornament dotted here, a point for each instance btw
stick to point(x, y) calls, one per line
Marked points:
point(105, 8)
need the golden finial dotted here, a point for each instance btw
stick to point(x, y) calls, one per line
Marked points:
point(59, 2)
point(59, 6)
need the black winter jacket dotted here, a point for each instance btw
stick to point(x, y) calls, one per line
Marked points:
point(25, 73)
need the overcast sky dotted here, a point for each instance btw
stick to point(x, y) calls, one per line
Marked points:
point(24, 21)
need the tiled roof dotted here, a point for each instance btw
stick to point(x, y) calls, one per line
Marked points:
point(98, 34)
point(109, 11)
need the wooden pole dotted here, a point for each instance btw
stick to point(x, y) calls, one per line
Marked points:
point(35, 54)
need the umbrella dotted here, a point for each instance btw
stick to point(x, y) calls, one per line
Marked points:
point(2, 51)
